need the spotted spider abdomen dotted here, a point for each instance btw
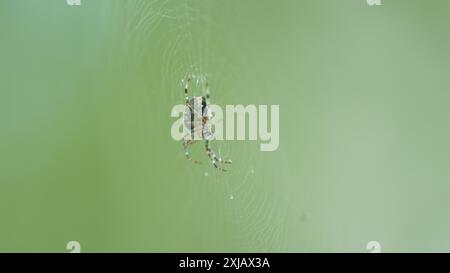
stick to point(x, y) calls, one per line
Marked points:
point(196, 118)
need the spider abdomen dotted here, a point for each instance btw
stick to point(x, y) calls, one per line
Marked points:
point(196, 118)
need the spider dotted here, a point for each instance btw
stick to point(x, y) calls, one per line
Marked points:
point(197, 121)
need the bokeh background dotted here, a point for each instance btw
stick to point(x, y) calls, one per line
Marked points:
point(85, 146)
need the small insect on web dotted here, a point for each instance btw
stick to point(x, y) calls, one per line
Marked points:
point(197, 121)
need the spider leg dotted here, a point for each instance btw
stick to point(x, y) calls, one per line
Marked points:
point(218, 159)
point(186, 88)
point(214, 159)
point(206, 92)
point(186, 144)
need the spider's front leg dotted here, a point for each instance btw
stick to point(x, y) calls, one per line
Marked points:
point(186, 88)
point(186, 143)
point(206, 93)
point(214, 159)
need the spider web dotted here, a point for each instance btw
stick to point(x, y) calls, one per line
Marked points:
point(183, 29)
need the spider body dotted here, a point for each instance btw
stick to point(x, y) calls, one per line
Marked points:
point(197, 117)
point(197, 120)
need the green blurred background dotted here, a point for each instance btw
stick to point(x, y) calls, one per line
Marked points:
point(85, 146)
